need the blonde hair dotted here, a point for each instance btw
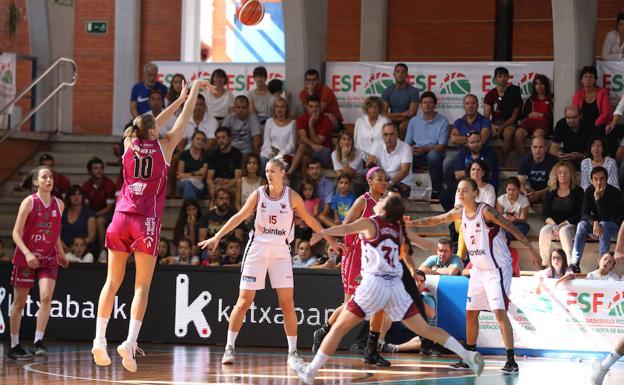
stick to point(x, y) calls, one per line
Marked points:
point(553, 183)
point(140, 127)
point(280, 99)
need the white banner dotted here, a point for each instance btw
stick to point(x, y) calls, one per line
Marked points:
point(579, 315)
point(611, 76)
point(7, 83)
point(240, 78)
point(355, 81)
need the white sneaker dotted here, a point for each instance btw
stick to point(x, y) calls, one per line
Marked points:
point(293, 358)
point(303, 371)
point(100, 355)
point(474, 362)
point(228, 355)
point(127, 350)
point(598, 373)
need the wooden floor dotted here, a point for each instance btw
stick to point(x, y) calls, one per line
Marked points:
point(71, 363)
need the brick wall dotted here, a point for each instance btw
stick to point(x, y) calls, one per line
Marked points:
point(343, 30)
point(160, 30)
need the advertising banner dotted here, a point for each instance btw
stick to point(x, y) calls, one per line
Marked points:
point(611, 76)
point(353, 82)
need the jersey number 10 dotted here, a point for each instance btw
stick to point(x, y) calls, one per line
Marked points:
point(143, 167)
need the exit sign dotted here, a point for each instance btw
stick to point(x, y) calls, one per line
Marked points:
point(96, 27)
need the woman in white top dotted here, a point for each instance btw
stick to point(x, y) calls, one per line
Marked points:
point(260, 99)
point(250, 181)
point(201, 121)
point(279, 134)
point(557, 268)
point(604, 272)
point(368, 127)
point(598, 157)
point(514, 206)
point(220, 102)
point(613, 45)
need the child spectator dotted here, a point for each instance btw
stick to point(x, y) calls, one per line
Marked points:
point(514, 207)
point(558, 268)
point(233, 255)
point(211, 257)
point(329, 260)
point(78, 252)
point(304, 257)
point(250, 181)
point(187, 224)
point(604, 272)
point(343, 199)
point(184, 256)
point(164, 250)
point(312, 205)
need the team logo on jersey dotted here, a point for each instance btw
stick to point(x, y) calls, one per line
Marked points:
point(263, 205)
point(53, 213)
point(26, 272)
point(283, 206)
point(248, 278)
point(186, 313)
point(137, 188)
point(2, 324)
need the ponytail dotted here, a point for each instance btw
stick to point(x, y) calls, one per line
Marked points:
point(410, 249)
point(29, 180)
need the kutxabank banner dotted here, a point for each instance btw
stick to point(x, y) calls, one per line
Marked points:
point(353, 82)
point(240, 75)
point(580, 315)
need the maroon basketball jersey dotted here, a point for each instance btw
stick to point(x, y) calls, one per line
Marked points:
point(145, 179)
point(352, 240)
point(41, 232)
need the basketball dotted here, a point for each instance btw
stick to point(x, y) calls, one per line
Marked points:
point(251, 12)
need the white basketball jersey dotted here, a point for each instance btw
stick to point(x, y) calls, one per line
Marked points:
point(486, 244)
point(274, 218)
point(380, 255)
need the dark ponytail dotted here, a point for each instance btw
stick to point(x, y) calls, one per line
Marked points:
point(410, 249)
point(29, 180)
point(394, 211)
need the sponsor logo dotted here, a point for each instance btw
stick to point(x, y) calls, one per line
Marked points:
point(141, 99)
point(271, 231)
point(455, 83)
point(186, 313)
point(150, 225)
point(248, 278)
point(477, 252)
point(263, 205)
point(53, 213)
point(39, 238)
point(283, 206)
point(377, 83)
point(616, 305)
point(526, 84)
point(137, 188)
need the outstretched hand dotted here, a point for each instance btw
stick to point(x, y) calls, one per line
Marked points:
point(210, 244)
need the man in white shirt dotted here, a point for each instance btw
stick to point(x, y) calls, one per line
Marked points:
point(395, 157)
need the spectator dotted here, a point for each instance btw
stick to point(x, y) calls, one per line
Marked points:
point(601, 216)
point(192, 168)
point(472, 121)
point(328, 260)
point(260, 99)
point(444, 262)
point(537, 113)
point(563, 202)
point(141, 91)
point(314, 131)
point(428, 136)
point(202, 122)
point(367, 129)
point(78, 220)
point(593, 102)
point(613, 45)
point(598, 157)
point(187, 224)
point(164, 249)
point(534, 169)
point(514, 207)
point(246, 134)
point(328, 104)
point(324, 187)
point(3, 256)
point(347, 159)
point(569, 139)
point(478, 170)
point(184, 257)
point(61, 182)
point(78, 252)
point(175, 87)
point(395, 157)
point(99, 193)
point(343, 198)
point(276, 89)
point(250, 180)
point(279, 134)
point(156, 105)
point(604, 272)
point(400, 99)
point(233, 256)
point(220, 102)
point(216, 217)
point(312, 204)
point(212, 257)
point(224, 163)
point(557, 268)
point(304, 257)
point(502, 104)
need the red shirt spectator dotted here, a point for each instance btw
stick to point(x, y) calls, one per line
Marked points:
point(313, 86)
point(323, 127)
point(99, 195)
point(602, 102)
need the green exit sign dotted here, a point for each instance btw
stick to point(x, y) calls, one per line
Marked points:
point(95, 26)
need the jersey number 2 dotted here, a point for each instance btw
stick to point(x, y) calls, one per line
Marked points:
point(388, 254)
point(143, 167)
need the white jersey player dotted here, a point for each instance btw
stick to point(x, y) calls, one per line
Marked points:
point(381, 287)
point(490, 278)
point(267, 251)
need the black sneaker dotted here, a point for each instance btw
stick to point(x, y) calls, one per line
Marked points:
point(37, 349)
point(17, 352)
point(575, 268)
point(460, 365)
point(511, 367)
point(317, 338)
point(375, 359)
point(425, 351)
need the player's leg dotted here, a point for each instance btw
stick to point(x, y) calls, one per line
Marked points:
point(498, 285)
point(600, 368)
point(46, 290)
point(371, 355)
point(20, 294)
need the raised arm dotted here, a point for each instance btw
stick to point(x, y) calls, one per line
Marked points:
point(447, 217)
point(168, 112)
point(362, 225)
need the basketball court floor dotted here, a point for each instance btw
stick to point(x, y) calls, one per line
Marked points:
point(71, 363)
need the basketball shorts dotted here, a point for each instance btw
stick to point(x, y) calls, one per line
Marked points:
point(260, 258)
point(25, 276)
point(377, 293)
point(489, 289)
point(350, 269)
point(130, 233)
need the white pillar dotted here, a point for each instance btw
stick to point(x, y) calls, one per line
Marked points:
point(126, 63)
point(190, 39)
point(574, 36)
point(373, 30)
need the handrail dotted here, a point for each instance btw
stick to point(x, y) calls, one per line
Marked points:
point(58, 88)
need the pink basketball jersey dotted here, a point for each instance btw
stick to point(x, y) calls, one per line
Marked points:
point(41, 231)
point(145, 179)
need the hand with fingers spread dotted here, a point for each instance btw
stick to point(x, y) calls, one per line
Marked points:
point(209, 244)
